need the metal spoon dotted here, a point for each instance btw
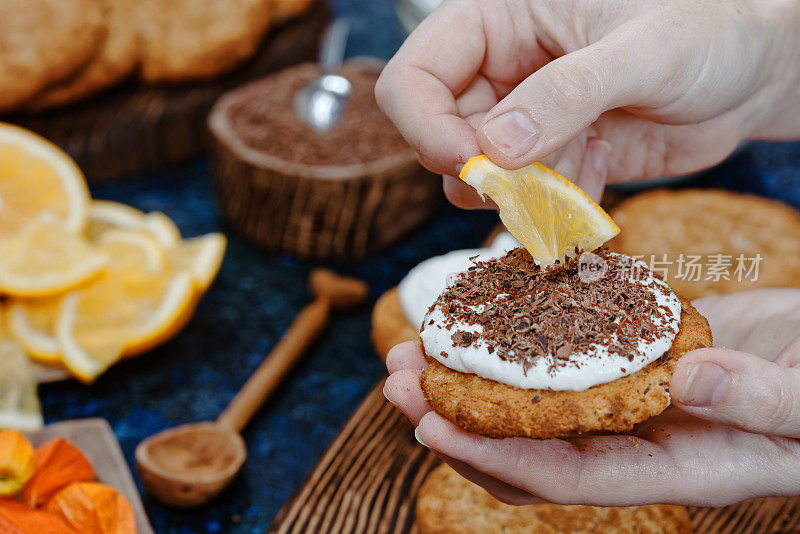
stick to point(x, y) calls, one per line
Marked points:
point(321, 103)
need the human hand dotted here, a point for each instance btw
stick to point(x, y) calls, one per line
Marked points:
point(731, 434)
point(656, 88)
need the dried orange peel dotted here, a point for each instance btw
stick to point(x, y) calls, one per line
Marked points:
point(547, 213)
point(17, 462)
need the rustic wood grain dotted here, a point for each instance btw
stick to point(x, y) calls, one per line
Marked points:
point(367, 482)
point(325, 212)
point(134, 128)
point(97, 441)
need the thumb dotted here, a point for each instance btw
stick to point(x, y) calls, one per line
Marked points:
point(739, 389)
point(555, 103)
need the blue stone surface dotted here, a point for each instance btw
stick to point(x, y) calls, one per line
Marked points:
point(257, 294)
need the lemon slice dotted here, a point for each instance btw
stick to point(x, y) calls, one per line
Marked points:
point(38, 178)
point(201, 257)
point(107, 214)
point(32, 322)
point(135, 304)
point(162, 228)
point(547, 213)
point(44, 258)
point(19, 404)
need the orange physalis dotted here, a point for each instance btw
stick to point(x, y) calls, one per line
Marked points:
point(59, 463)
point(16, 518)
point(16, 462)
point(93, 508)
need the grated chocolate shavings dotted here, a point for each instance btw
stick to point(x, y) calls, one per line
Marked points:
point(528, 313)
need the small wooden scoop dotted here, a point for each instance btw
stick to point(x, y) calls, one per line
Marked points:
point(188, 465)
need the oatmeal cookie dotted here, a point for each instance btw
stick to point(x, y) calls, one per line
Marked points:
point(389, 324)
point(43, 41)
point(498, 410)
point(118, 57)
point(450, 504)
point(198, 39)
point(705, 223)
point(283, 10)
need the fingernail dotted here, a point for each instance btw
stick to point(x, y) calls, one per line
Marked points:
point(600, 152)
point(512, 133)
point(416, 435)
point(706, 385)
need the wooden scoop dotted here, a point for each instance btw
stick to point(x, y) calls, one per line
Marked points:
point(190, 464)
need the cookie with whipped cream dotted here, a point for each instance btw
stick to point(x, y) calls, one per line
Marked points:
point(587, 345)
point(398, 313)
point(450, 504)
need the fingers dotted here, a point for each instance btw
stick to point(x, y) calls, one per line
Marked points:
point(417, 87)
point(627, 469)
point(406, 355)
point(403, 390)
point(499, 490)
point(554, 104)
point(594, 168)
point(739, 389)
point(464, 196)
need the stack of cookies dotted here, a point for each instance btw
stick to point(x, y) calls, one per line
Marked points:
point(54, 52)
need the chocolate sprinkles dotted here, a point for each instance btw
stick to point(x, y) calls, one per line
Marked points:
point(529, 313)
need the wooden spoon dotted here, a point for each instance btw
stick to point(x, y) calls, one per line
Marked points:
point(190, 464)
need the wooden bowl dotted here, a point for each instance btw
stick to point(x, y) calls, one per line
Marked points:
point(327, 212)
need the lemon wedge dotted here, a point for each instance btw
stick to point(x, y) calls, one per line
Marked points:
point(547, 213)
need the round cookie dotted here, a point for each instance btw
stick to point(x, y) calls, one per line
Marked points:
point(450, 504)
point(706, 223)
point(389, 324)
point(498, 410)
point(198, 39)
point(43, 41)
point(283, 10)
point(118, 57)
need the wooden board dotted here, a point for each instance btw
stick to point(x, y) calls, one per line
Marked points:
point(367, 482)
point(135, 128)
point(97, 441)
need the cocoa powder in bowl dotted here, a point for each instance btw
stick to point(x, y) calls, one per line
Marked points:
point(264, 120)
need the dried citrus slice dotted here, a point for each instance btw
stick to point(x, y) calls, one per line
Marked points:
point(200, 256)
point(547, 213)
point(19, 403)
point(136, 303)
point(44, 258)
point(38, 178)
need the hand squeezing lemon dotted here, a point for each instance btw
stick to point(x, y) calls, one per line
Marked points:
point(547, 213)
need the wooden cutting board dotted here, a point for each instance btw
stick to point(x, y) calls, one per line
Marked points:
point(136, 128)
point(367, 482)
point(97, 441)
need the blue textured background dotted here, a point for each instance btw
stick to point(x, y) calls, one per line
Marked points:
point(192, 377)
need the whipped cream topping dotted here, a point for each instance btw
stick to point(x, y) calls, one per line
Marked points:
point(465, 346)
point(420, 288)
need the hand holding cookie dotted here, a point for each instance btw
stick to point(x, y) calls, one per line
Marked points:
point(731, 436)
